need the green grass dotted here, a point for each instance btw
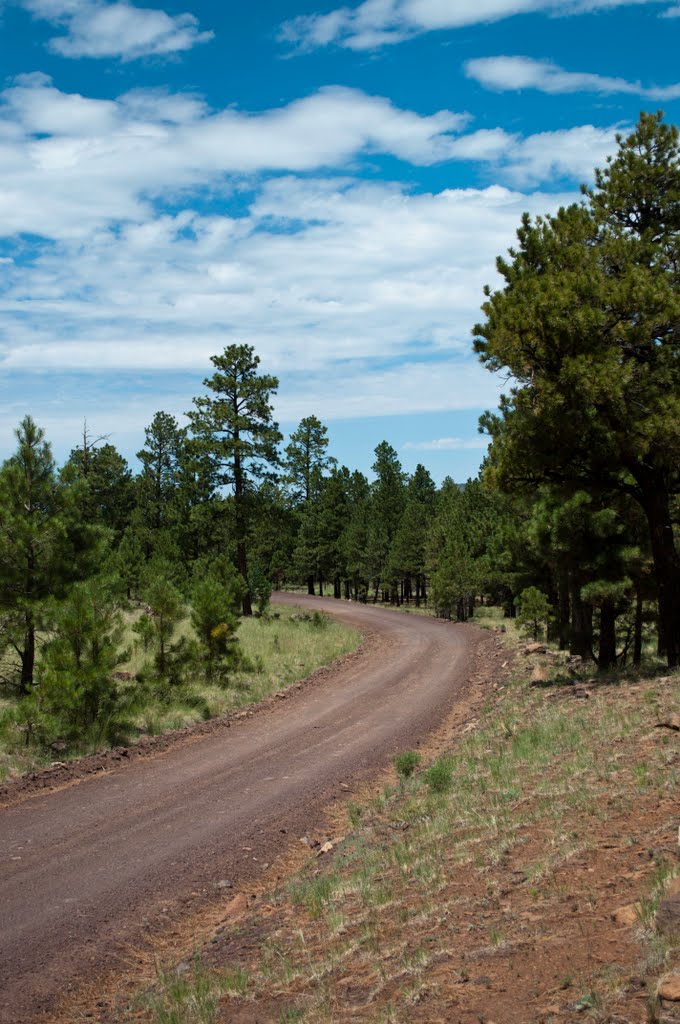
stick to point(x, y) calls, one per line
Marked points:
point(279, 649)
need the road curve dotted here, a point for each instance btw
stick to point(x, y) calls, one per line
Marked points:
point(85, 868)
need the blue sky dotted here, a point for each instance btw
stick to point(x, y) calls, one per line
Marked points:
point(328, 183)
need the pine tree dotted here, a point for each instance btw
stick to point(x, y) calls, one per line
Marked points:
point(44, 545)
point(234, 426)
point(306, 460)
point(586, 324)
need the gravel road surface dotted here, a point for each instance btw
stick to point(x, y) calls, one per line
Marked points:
point(87, 868)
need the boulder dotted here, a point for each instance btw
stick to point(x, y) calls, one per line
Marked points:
point(669, 988)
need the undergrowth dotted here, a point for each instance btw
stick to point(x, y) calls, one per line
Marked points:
point(278, 650)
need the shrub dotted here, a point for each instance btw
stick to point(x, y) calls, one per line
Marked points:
point(407, 763)
point(439, 775)
point(534, 611)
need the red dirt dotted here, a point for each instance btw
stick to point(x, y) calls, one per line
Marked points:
point(91, 868)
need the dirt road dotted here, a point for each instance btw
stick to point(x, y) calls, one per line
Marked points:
point(86, 869)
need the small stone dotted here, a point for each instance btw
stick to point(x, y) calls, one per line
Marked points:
point(670, 989)
point(224, 883)
point(672, 722)
point(539, 675)
point(534, 648)
point(628, 915)
point(326, 848)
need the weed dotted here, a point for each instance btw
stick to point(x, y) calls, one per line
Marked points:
point(407, 763)
point(439, 775)
point(193, 998)
point(354, 813)
point(314, 893)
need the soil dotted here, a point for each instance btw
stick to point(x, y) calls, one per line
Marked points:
point(139, 850)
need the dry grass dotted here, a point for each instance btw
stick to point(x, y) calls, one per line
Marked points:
point(428, 873)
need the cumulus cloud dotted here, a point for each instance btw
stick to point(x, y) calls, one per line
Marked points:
point(360, 292)
point(97, 29)
point(70, 164)
point(376, 23)
point(448, 444)
point(514, 73)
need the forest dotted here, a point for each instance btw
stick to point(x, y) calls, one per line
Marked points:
point(570, 525)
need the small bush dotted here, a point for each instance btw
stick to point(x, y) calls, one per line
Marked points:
point(407, 763)
point(439, 775)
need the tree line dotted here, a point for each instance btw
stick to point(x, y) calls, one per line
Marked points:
point(571, 521)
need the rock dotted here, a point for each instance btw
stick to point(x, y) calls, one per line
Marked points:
point(668, 914)
point(326, 848)
point(224, 883)
point(539, 675)
point(672, 722)
point(534, 648)
point(669, 989)
point(581, 692)
point(236, 906)
point(628, 915)
point(123, 676)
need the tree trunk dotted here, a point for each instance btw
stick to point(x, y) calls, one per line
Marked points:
point(607, 648)
point(242, 566)
point(563, 609)
point(310, 585)
point(28, 654)
point(581, 634)
point(655, 503)
point(637, 635)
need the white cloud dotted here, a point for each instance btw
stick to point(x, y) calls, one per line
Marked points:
point(97, 29)
point(343, 287)
point(376, 23)
point(361, 293)
point(511, 73)
point(70, 164)
point(448, 444)
point(549, 156)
